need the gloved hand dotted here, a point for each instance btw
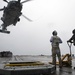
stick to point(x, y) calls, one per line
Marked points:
point(69, 41)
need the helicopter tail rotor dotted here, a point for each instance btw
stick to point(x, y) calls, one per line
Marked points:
point(26, 17)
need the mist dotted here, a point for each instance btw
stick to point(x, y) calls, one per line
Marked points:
point(32, 38)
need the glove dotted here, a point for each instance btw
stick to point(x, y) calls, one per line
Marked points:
point(69, 41)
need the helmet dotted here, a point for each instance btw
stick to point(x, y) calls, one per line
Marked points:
point(54, 32)
point(73, 31)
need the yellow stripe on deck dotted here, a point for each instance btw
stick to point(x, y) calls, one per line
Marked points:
point(25, 64)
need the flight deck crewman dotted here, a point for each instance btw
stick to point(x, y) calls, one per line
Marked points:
point(72, 39)
point(55, 41)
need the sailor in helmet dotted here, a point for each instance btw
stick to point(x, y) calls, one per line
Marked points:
point(55, 41)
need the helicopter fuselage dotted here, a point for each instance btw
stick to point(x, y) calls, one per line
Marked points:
point(11, 13)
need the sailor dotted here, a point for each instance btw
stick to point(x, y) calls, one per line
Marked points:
point(72, 39)
point(55, 41)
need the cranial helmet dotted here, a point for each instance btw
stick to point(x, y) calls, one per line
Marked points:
point(73, 31)
point(54, 32)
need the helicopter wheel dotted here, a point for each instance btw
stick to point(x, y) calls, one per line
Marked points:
point(18, 19)
point(3, 27)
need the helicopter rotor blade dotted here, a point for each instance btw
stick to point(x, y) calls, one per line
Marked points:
point(2, 9)
point(5, 1)
point(26, 17)
point(19, 1)
point(25, 1)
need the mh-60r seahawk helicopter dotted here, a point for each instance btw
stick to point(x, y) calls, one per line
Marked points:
point(11, 14)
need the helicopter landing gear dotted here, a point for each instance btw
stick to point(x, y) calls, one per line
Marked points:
point(4, 30)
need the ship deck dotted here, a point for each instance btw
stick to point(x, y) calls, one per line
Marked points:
point(44, 59)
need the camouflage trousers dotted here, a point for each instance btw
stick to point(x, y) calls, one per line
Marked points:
point(56, 51)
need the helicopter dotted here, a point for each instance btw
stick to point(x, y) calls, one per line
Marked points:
point(11, 14)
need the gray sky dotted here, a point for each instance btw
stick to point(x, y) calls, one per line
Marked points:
point(32, 38)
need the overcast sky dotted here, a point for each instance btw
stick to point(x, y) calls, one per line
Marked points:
point(32, 38)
